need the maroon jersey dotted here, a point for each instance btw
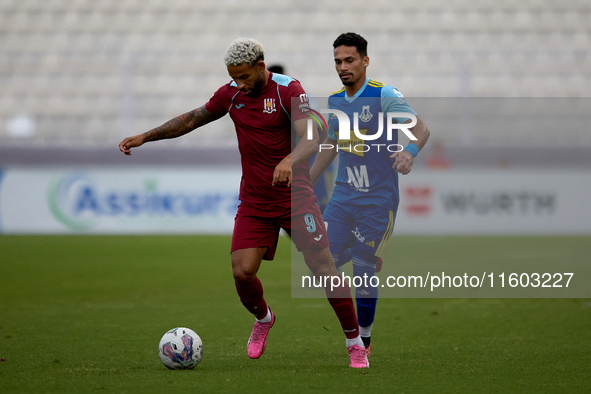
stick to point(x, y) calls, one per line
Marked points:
point(264, 128)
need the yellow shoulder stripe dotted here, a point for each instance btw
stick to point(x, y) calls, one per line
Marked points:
point(338, 91)
point(376, 84)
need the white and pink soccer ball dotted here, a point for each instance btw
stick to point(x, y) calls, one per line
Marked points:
point(181, 348)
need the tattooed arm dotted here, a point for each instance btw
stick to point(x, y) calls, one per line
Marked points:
point(176, 127)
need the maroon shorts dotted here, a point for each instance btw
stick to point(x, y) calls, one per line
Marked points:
point(258, 225)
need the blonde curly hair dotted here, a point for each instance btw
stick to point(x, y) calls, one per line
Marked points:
point(244, 50)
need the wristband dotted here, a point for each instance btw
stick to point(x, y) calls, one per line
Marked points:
point(413, 149)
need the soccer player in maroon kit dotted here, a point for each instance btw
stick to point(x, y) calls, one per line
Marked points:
point(275, 190)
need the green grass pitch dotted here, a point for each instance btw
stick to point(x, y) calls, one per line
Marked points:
point(84, 314)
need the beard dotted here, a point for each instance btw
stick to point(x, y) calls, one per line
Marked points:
point(256, 89)
point(349, 81)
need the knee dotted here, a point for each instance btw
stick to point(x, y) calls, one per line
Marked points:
point(324, 270)
point(242, 272)
point(324, 267)
point(241, 275)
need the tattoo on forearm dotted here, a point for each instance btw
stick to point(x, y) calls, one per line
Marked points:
point(180, 125)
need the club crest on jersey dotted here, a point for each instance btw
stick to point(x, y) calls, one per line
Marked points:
point(365, 115)
point(269, 106)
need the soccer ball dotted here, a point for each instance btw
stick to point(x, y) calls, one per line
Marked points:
point(181, 348)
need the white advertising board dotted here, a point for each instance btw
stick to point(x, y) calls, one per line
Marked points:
point(117, 200)
point(203, 201)
point(495, 203)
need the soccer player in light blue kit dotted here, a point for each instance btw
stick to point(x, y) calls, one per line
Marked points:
point(362, 209)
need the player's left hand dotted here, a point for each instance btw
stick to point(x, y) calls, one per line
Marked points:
point(403, 163)
point(282, 173)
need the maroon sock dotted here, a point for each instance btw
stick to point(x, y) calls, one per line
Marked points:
point(251, 295)
point(342, 303)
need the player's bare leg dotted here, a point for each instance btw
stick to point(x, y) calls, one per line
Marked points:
point(245, 265)
point(321, 263)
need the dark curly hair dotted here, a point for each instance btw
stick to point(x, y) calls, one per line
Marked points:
point(352, 40)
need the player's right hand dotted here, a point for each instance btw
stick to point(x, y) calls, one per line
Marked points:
point(282, 173)
point(403, 161)
point(131, 142)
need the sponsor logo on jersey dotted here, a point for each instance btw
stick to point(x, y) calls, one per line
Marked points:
point(238, 106)
point(350, 145)
point(358, 178)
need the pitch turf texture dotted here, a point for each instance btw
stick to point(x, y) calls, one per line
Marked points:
point(85, 314)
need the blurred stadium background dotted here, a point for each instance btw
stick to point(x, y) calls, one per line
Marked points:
point(83, 74)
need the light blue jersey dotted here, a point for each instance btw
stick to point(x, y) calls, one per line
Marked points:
point(365, 174)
